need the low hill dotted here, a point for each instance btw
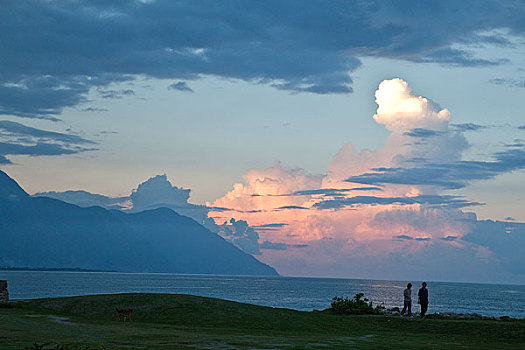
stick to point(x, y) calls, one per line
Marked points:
point(163, 321)
point(45, 232)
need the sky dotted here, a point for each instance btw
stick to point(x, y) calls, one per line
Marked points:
point(361, 139)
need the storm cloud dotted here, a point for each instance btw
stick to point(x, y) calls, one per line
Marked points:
point(54, 53)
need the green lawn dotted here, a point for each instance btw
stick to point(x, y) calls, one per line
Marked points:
point(162, 321)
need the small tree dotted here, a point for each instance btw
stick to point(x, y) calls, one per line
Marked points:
point(356, 306)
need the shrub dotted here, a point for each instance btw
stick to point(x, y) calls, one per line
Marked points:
point(355, 306)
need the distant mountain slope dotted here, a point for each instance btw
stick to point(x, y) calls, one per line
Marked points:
point(9, 189)
point(85, 199)
point(203, 250)
point(45, 232)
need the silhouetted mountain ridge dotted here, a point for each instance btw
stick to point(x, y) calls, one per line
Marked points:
point(45, 232)
point(9, 188)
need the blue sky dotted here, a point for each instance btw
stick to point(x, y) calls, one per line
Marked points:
point(101, 96)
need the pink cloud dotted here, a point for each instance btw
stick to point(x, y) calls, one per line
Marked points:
point(364, 231)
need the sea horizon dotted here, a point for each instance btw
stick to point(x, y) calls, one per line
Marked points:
point(297, 293)
point(80, 270)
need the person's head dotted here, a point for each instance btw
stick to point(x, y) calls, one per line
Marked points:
point(409, 285)
point(424, 284)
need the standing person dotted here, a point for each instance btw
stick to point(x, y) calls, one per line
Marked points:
point(407, 294)
point(423, 299)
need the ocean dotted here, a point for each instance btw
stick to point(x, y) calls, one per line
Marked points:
point(282, 292)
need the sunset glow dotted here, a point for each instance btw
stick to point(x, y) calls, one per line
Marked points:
point(336, 220)
point(380, 140)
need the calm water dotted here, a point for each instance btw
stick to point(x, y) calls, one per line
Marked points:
point(287, 292)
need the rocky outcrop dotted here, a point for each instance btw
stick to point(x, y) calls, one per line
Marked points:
point(468, 315)
point(4, 294)
point(449, 315)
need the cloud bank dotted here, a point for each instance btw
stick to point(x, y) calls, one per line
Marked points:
point(19, 139)
point(55, 52)
point(385, 213)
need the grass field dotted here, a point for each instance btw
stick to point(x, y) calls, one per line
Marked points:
point(161, 321)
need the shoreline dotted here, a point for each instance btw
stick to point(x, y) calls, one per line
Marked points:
point(388, 312)
point(176, 321)
point(450, 315)
point(298, 294)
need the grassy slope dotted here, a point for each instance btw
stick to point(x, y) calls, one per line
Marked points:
point(163, 321)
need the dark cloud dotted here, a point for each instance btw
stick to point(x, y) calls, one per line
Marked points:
point(19, 139)
point(432, 200)
point(467, 127)
point(115, 94)
point(38, 149)
point(40, 95)
point(220, 209)
point(456, 57)
point(403, 238)
point(280, 246)
point(9, 128)
point(452, 175)
point(332, 191)
point(180, 86)
point(291, 207)
point(269, 227)
point(329, 192)
point(449, 238)
point(410, 238)
point(53, 53)
point(512, 82)
point(422, 133)
point(93, 109)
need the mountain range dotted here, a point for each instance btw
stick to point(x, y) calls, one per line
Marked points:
point(45, 232)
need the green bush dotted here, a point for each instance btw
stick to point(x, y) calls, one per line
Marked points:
point(355, 306)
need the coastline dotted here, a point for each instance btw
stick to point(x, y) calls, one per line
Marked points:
point(303, 294)
point(52, 269)
point(175, 321)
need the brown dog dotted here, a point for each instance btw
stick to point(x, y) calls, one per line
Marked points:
point(124, 314)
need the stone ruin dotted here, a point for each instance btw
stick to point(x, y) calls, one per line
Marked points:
point(4, 294)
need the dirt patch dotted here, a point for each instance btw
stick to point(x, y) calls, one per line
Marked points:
point(60, 320)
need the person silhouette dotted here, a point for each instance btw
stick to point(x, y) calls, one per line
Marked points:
point(407, 304)
point(422, 295)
